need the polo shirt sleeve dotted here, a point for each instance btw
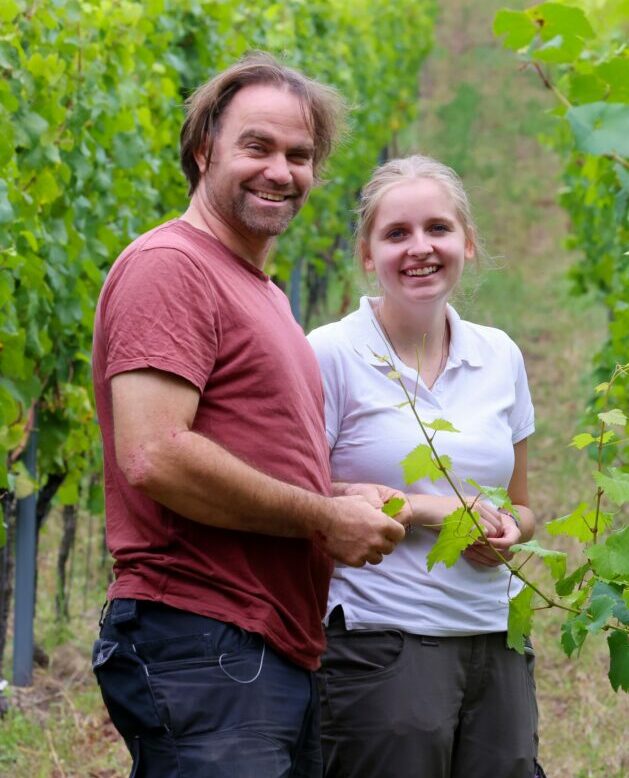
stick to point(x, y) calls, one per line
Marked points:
point(324, 341)
point(160, 313)
point(521, 417)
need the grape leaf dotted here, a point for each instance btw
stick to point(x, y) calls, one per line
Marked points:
point(615, 485)
point(618, 643)
point(579, 523)
point(555, 561)
point(520, 619)
point(457, 533)
point(420, 464)
point(615, 416)
point(582, 440)
point(573, 634)
point(517, 28)
point(610, 560)
point(565, 586)
point(393, 506)
point(441, 425)
point(601, 128)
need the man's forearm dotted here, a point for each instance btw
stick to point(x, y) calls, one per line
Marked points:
point(202, 481)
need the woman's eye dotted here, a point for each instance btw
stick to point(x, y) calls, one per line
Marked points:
point(395, 234)
point(440, 228)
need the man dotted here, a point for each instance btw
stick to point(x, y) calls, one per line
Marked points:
point(216, 464)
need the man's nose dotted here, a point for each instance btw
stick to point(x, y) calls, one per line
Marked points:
point(277, 170)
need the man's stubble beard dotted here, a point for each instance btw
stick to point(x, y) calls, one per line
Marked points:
point(257, 223)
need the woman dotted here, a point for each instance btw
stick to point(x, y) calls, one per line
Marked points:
point(417, 681)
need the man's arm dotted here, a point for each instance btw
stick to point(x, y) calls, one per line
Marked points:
point(162, 456)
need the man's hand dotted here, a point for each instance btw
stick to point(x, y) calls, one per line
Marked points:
point(377, 495)
point(359, 532)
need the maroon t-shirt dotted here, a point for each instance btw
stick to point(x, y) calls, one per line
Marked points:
point(178, 300)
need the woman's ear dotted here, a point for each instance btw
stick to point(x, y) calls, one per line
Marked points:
point(470, 247)
point(365, 257)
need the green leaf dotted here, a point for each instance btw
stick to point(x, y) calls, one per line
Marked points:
point(618, 643)
point(555, 561)
point(616, 593)
point(602, 387)
point(566, 585)
point(520, 619)
point(457, 533)
point(615, 416)
point(582, 440)
point(573, 634)
point(23, 483)
point(420, 464)
point(6, 209)
point(440, 425)
point(610, 560)
point(9, 9)
point(601, 128)
point(615, 485)
point(497, 495)
point(579, 524)
point(516, 26)
point(557, 19)
point(393, 506)
point(599, 611)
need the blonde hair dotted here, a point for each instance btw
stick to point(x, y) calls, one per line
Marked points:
point(398, 171)
point(323, 108)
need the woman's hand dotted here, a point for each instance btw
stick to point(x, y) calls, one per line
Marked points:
point(509, 533)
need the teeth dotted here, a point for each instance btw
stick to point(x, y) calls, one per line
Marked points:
point(421, 271)
point(276, 198)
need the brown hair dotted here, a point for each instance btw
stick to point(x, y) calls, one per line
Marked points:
point(323, 108)
point(398, 171)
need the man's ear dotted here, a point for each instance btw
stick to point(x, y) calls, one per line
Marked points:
point(202, 157)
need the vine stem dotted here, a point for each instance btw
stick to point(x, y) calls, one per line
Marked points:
point(513, 570)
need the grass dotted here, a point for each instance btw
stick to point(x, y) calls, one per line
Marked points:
point(479, 113)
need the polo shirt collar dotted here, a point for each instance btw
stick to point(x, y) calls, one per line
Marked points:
point(369, 340)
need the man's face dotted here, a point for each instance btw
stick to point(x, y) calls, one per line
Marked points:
point(261, 168)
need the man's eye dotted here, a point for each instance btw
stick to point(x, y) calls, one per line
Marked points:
point(256, 147)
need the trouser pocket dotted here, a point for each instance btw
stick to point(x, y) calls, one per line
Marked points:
point(123, 681)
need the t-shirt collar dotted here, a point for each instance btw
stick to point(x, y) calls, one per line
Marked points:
point(370, 342)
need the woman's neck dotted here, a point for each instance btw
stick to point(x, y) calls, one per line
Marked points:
point(417, 336)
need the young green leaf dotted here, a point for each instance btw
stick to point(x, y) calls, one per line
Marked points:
point(610, 560)
point(573, 634)
point(393, 506)
point(579, 524)
point(615, 485)
point(601, 128)
point(497, 495)
point(520, 619)
point(599, 612)
point(582, 440)
point(440, 425)
point(555, 561)
point(615, 416)
point(618, 643)
point(517, 28)
point(565, 586)
point(420, 464)
point(457, 533)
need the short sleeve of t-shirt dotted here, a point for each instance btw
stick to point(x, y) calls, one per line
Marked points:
point(160, 312)
point(322, 341)
point(521, 417)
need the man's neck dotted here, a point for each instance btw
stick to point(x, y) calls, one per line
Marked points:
point(199, 215)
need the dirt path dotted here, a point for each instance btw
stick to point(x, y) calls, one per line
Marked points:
point(482, 115)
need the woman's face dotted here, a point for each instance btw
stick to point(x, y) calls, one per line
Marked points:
point(417, 246)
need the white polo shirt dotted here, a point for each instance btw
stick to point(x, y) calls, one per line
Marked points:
point(483, 391)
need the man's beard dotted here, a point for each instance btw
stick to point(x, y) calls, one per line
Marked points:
point(273, 222)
